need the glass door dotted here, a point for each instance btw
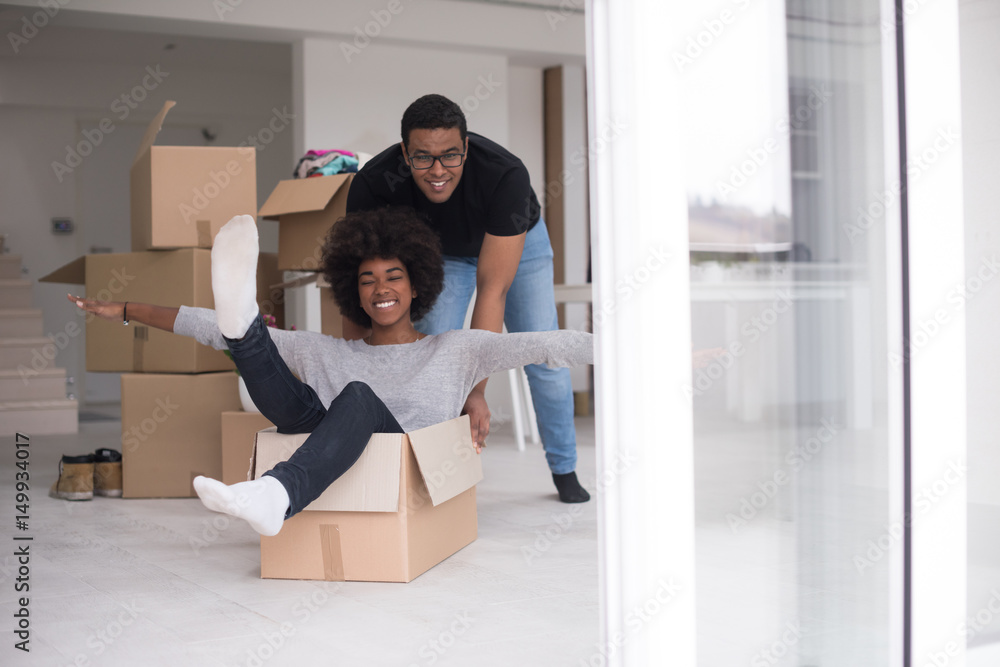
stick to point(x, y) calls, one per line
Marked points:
point(790, 308)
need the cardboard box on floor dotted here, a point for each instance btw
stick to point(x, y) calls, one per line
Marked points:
point(305, 209)
point(406, 505)
point(165, 278)
point(181, 196)
point(171, 431)
point(239, 431)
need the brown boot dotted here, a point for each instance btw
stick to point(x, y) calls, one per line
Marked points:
point(76, 478)
point(108, 473)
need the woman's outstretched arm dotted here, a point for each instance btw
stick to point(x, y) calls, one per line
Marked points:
point(492, 352)
point(160, 317)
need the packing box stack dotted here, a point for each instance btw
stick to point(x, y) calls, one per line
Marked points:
point(183, 195)
point(166, 278)
point(305, 210)
point(171, 431)
point(174, 390)
point(405, 506)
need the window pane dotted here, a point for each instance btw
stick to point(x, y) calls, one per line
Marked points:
point(789, 304)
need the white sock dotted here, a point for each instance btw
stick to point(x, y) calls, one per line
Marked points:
point(234, 276)
point(262, 503)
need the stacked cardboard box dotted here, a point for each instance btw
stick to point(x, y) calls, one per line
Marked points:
point(173, 389)
point(32, 389)
point(305, 210)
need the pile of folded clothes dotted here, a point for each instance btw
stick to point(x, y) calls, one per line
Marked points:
point(327, 163)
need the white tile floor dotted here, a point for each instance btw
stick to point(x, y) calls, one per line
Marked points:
point(165, 582)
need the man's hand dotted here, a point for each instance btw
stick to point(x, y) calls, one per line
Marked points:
point(479, 416)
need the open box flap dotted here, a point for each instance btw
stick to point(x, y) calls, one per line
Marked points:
point(447, 458)
point(149, 138)
point(370, 485)
point(74, 273)
point(302, 195)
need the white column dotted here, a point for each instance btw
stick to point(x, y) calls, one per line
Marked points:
point(937, 331)
point(643, 337)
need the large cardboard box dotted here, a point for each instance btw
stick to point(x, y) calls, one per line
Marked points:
point(182, 195)
point(239, 431)
point(171, 431)
point(406, 505)
point(305, 209)
point(165, 278)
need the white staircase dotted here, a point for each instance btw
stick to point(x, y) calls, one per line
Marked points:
point(32, 389)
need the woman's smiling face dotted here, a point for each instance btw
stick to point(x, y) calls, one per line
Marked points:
point(385, 290)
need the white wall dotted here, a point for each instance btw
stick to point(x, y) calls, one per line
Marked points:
point(525, 112)
point(48, 97)
point(979, 27)
point(358, 104)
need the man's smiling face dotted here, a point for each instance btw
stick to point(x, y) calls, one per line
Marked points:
point(439, 182)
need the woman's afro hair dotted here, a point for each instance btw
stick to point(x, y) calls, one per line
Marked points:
point(390, 232)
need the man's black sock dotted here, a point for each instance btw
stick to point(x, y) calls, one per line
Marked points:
point(569, 488)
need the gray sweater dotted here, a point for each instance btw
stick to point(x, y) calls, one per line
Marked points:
point(422, 383)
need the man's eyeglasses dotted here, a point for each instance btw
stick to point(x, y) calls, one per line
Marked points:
point(446, 160)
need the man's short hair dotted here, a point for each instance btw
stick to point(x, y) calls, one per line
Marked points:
point(432, 112)
point(388, 232)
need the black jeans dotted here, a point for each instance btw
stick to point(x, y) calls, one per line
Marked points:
point(338, 434)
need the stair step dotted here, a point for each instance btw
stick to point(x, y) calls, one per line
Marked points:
point(15, 293)
point(39, 417)
point(27, 384)
point(10, 267)
point(31, 352)
point(20, 322)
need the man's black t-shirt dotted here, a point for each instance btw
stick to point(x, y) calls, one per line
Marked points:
point(494, 195)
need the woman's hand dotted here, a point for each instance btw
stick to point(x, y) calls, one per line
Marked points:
point(107, 310)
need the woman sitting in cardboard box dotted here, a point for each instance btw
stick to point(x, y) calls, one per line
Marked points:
point(385, 270)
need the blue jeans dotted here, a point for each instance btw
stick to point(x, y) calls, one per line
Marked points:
point(338, 433)
point(530, 307)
